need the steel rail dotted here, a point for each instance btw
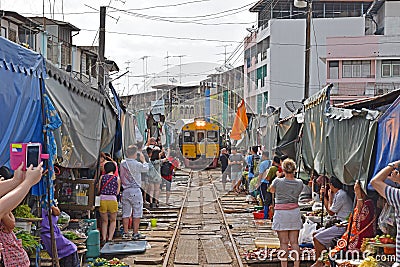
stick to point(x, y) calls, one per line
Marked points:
point(178, 222)
point(235, 249)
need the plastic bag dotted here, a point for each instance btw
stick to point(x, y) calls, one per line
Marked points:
point(64, 218)
point(387, 220)
point(306, 233)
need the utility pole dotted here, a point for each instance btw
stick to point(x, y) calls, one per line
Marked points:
point(144, 58)
point(167, 57)
point(102, 39)
point(128, 76)
point(224, 46)
point(307, 52)
point(180, 67)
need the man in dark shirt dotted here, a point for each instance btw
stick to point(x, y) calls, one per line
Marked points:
point(224, 166)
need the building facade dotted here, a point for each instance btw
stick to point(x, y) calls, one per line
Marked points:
point(367, 65)
point(225, 93)
point(274, 52)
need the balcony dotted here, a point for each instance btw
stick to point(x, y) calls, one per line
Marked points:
point(356, 89)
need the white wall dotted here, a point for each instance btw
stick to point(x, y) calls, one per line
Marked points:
point(392, 18)
point(287, 46)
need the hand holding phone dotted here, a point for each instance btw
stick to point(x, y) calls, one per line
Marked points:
point(33, 154)
point(34, 174)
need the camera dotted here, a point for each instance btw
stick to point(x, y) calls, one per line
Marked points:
point(29, 153)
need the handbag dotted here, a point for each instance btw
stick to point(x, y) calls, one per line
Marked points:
point(97, 198)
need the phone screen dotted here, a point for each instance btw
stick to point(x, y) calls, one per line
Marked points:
point(32, 156)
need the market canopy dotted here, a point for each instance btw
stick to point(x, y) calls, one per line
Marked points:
point(268, 131)
point(88, 120)
point(21, 71)
point(387, 138)
point(338, 141)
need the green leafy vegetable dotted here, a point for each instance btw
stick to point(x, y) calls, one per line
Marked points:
point(23, 211)
point(29, 242)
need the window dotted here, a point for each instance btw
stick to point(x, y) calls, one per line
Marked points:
point(333, 69)
point(12, 35)
point(188, 136)
point(355, 69)
point(26, 36)
point(261, 74)
point(200, 136)
point(212, 136)
point(391, 68)
point(3, 32)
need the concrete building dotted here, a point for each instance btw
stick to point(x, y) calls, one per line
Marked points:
point(19, 29)
point(274, 52)
point(367, 65)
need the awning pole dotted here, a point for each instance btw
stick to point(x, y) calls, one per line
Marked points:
point(55, 261)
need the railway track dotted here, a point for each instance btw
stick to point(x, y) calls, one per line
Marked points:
point(202, 236)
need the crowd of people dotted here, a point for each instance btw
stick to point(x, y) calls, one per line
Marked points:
point(273, 184)
point(136, 183)
point(145, 171)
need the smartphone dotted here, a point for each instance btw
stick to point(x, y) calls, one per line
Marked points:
point(33, 154)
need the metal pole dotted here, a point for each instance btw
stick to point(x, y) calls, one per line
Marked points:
point(102, 38)
point(307, 52)
point(351, 219)
point(54, 252)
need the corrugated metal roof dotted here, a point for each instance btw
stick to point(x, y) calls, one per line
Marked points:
point(371, 102)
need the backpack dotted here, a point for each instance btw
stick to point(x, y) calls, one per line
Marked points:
point(255, 161)
point(166, 168)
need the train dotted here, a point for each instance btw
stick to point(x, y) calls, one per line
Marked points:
point(199, 143)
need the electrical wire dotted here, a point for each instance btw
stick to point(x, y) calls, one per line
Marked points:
point(191, 17)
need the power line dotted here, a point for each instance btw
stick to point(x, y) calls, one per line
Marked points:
point(192, 17)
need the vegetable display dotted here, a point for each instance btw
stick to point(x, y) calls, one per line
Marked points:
point(29, 242)
point(23, 211)
point(108, 263)
point(70, 235)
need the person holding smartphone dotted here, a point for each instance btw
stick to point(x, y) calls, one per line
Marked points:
point(12, 192)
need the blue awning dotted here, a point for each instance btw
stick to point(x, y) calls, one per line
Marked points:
point(20, 100)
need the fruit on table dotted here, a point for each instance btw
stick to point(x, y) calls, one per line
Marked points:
point(369, 262)
point(387, 239)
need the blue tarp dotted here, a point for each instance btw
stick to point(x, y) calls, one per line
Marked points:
point(388, 139)
point(20, 100)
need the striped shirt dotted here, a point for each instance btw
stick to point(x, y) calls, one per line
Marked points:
point(393, 198)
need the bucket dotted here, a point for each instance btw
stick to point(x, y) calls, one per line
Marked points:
point(258, 215)
point(153, 222)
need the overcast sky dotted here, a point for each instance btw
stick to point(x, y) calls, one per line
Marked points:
point(229, 19)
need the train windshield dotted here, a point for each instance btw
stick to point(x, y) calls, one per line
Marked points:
point(188, 136)
point(212, 136)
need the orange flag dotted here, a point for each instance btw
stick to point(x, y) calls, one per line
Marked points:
point(240, 123)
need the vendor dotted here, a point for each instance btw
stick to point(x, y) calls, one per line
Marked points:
point(363, 219)
point(339, 205)
point(66, 250)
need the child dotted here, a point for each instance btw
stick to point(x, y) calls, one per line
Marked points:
point(13, 252)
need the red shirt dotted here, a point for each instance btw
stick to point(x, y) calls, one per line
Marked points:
point(174, 164)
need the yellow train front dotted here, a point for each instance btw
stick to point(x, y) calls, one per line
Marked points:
point(200, 144)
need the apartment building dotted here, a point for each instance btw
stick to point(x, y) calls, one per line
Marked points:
point(274, 51)
point(367, 65)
